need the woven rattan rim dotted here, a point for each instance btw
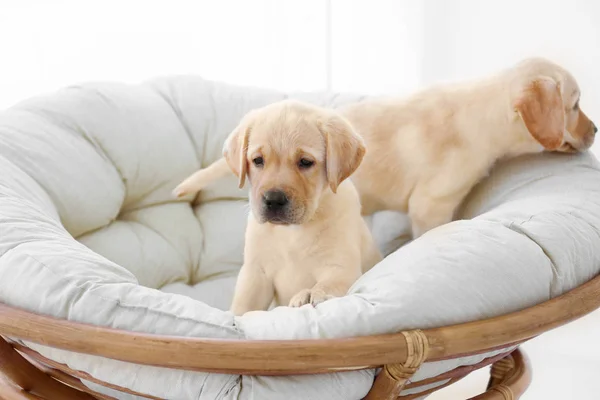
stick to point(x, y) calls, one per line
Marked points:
point(297, 356)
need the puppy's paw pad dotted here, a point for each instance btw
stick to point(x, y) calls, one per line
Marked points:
point(309, 296)
point(319, 296)
point(301, 298)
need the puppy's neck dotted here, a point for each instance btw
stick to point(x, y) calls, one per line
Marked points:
point(489, 114)
point(332, 206)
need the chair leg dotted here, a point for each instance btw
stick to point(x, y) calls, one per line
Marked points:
point(8, 391)
point(393, 377)
point(500, 370)
point(21, 374)
point(509, 378)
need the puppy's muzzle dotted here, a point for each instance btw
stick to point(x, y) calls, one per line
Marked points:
point(275, 206)
point(581, 144)
point(275, 200)
point(589, 139)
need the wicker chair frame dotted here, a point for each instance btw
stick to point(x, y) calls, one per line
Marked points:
point(25, 374)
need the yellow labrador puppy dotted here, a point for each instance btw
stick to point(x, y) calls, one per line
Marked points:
point(426, 152)
point(306, 240)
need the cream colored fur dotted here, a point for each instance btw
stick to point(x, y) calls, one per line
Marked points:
point(320, 245)
point(426, 152)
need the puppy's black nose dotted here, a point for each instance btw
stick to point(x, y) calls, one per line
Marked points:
point(275, 199)
point(595, 127)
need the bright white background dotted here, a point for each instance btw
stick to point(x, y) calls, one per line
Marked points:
point(372, 46)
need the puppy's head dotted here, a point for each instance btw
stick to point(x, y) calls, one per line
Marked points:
point(548, 103)
point(291, 153)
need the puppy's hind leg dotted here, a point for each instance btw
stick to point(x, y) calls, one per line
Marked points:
point(426, 213)
point(202, 178)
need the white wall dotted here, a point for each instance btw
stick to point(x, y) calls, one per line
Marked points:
point(348, 45)
point(469, 38)
point(373, 46)
point(377, 45)
point(474, 37)
point(48, 44)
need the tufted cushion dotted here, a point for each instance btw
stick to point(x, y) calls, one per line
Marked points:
point(89, 232)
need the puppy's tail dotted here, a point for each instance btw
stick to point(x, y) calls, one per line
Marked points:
point(202, 178)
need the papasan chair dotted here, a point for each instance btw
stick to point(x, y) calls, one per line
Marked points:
point(112, 289)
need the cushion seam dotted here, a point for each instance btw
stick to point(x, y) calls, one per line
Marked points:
point(126, 306)
point(157, 233)
point(518, 228)
point(79, 131)
point(179, 116)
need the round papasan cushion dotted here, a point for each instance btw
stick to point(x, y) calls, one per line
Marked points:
point(89, 232)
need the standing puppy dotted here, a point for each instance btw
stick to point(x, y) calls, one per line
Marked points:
point(427, 152)
point(306, 240)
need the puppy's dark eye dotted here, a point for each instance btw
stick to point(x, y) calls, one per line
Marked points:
point(258, 161)
point(576, 106)
point(305, 163)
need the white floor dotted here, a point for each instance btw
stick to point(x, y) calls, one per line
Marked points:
point(565, 364)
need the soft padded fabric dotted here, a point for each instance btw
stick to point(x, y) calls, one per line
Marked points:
point(89, 232)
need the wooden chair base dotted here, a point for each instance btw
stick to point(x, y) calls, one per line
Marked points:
point(27, 375)
point(510, 377)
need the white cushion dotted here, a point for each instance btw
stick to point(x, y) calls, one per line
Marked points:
point(89, 232)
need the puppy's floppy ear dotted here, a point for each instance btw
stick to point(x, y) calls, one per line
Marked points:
point(235, 150)
point(345, 149)
point(540, 105)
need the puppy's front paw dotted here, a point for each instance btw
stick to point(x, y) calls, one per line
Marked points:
point(309, 296)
